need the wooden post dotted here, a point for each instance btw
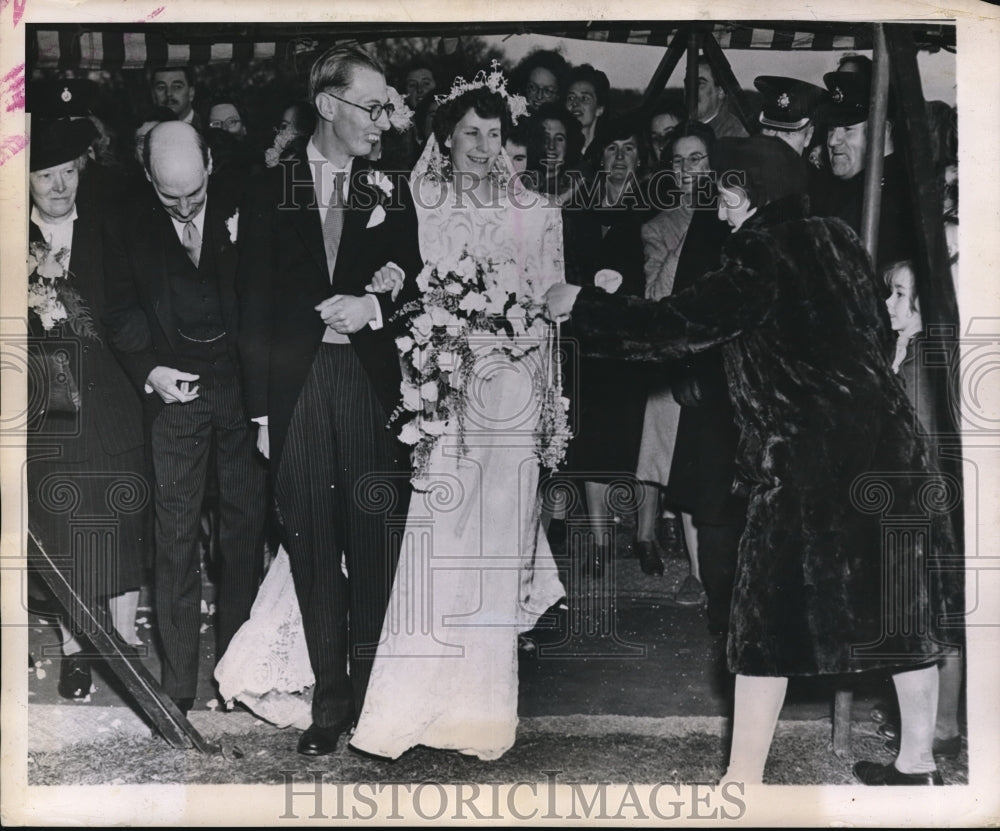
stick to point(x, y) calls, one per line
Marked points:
point(724, 73)
point(666, 68)
point(875, 154)
point(691, 76)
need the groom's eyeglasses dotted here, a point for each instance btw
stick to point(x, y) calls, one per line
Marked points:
point(375, 110)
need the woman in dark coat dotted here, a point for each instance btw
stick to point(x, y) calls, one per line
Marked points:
point(827, 449)
point(88, 494)
point(605, 241)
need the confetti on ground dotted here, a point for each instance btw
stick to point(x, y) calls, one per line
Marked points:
point(40, 674)
point(141, 620)
point(204, 627)
point(213, 704)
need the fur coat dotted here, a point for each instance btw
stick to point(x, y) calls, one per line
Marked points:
point(847, 528)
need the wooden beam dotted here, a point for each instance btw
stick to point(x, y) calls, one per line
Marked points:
point(938, 304)
point(875, 151)
point(724, 74)
point(123, 661)
point(661, 76)
point(691, 76)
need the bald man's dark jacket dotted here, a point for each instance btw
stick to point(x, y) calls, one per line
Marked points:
point(147, 271)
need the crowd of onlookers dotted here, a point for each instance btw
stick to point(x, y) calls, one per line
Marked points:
point(632, 188)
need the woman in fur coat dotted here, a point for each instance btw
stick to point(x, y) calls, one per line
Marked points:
point(828, 580)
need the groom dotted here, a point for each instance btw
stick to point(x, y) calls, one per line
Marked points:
point(322, 373)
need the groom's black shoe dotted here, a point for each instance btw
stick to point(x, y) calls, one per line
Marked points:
point(321, 741)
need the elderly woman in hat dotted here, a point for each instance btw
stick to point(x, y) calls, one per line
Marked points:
point(827, 440)
point(87, 490)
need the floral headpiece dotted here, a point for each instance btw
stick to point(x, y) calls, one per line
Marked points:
point(496, 82)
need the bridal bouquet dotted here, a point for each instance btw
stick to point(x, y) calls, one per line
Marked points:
point(461, 303)
point(50, 296)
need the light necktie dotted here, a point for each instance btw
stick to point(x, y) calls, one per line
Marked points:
point(192, 242)
point(333, 224)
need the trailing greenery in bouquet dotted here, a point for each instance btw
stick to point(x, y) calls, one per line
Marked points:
point(468, 309)
point(51, 298)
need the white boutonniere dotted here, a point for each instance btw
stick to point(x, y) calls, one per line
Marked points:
point(381, 181)
point(233, 226)
point(377, 217)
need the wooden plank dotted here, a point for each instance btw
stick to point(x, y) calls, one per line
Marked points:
point(691, 76)
point(666, 67)
point(875, 151)
point(938, 304)
point(842, 704)
point(122, 660)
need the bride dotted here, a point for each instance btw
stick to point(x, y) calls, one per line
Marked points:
point(475, 567)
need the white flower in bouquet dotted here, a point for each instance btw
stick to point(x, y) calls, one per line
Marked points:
point(429, 391)
point(411, 397)
point(410, 434)
point(421, 326)
point(454, 288)
point(474, 301)
point(424, 278)
point(442, 317)
point(466, 269)
point(404, 343)
point(516, 315)
point(434, 427)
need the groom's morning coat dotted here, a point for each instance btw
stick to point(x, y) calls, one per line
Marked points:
point(283, 276)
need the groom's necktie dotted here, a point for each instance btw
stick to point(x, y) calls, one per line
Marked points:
point(333, 229)
point(192, 242)
point(333, 225)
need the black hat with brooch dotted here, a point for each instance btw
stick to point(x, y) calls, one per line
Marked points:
point(60, 128)
point(61, 98)
point(789, 103)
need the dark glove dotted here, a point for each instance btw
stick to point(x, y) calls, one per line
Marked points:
point(687, 391)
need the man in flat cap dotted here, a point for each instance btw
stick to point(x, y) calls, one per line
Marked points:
point(845, 113)
point(787, 112)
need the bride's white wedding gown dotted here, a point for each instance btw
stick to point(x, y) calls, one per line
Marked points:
point(475, 567)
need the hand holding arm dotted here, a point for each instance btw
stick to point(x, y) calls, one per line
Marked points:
point(347, 313)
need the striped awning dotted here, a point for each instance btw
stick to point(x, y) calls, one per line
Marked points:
point(117, 46)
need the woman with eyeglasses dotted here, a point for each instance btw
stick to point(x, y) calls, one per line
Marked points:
point(541, 78)
point(687, 150)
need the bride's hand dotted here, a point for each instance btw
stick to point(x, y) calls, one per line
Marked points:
point(388, 278)
point(560, 299)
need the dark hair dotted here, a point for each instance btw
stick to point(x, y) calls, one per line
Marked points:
point(664, 108)
point(188, 74)
point(625, 126)
point(485, 103)
point(693, 129)
point(155, 114)
point(334, 69)
point(574, 132)
point(225, 99)
point(764, 167)
point(304, 115)
point(520, 133)
point(587, 74)
point(544, 58)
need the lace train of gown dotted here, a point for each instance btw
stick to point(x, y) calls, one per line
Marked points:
point(266, 666)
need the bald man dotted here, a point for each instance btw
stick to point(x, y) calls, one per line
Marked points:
point(170, 268)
